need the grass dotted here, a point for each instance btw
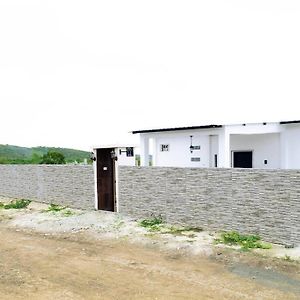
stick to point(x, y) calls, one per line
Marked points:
point(246, 242)
point(68, 213)
point(156, 224)
point(55, 208)
point(288, 258)
point(16, 204)
point(149, 223)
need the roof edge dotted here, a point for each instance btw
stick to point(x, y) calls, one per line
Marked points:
point(289, 122)
point(177, 129)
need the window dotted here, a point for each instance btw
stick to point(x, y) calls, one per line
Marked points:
point(164, 148)
point(129, 152)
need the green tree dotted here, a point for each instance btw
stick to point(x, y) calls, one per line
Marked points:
point(53, 158)
point(35, 158)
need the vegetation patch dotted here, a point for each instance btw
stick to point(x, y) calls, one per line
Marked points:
point(149, 223)
point(156, 224)
point(16, 204)
point(287, 258)
point(55, 208)
point(246, 242)
point(68, 213)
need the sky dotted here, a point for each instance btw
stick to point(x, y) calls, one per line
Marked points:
point(84, 73)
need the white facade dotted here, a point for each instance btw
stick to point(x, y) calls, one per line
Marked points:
point(265, 145)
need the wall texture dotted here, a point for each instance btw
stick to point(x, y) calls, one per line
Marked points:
point(61, 184)
point(264, 202)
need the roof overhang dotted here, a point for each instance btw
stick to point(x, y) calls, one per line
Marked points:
point(177, 129)
point(290, 122)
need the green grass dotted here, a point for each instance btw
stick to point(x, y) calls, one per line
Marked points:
point(150, 223)
point(55, 208)
point(68, 213)
point(246, 242)
point(16, 204)
point(156, 224)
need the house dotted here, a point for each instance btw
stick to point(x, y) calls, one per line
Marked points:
point(273, 145)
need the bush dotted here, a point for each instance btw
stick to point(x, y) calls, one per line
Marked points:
point(53, 158)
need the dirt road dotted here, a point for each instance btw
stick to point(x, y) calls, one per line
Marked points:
point(97, 255)
point(74, 266)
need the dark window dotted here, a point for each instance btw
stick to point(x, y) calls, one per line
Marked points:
point(164, 148)
point(129, 151)
point(216, 160)
point(242, 159)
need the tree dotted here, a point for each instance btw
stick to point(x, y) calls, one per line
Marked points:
point(53, 158)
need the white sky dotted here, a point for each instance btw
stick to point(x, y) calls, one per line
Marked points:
point(83, 73)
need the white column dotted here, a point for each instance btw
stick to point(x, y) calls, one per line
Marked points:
point(283, 150)
point(144, 148)
point(154, 152)
point(224, 150)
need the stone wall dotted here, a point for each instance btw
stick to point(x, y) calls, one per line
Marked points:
point(264, 202)
point(68, 185)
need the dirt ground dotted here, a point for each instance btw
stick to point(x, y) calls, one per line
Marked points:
point(40, 258)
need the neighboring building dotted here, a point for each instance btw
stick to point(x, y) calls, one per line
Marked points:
point(253, 145)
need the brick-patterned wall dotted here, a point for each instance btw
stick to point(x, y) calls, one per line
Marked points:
point(61, 184)
point(264, 202)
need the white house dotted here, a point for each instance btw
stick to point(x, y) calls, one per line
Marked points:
point(253, 145)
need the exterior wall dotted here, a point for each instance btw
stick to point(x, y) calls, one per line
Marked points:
point(264, 202)
point(264, 147)
point(124, 160)
point(72, 186)
point(291, 140)
point(179, 154)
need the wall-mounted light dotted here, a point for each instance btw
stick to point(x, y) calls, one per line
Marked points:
point(192, 147)
point(92, 156)
point(113, 155)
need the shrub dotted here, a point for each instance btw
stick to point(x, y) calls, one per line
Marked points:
point(53, 158)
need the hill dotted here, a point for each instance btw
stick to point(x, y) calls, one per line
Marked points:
point(22, 155)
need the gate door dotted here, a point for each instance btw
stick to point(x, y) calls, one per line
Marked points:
point(106, 179)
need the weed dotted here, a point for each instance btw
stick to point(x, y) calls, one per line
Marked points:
point(244, 241)
point(55, 208)
point(156, 224)
point(153, 222)
point(68, 213)
point(17, 204)
point(287, 258)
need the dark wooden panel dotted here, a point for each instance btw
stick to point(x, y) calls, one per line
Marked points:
point(105, 180)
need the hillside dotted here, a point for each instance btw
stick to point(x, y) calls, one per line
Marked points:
point(22, 155)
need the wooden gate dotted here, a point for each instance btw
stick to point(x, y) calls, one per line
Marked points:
point(106, 179)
